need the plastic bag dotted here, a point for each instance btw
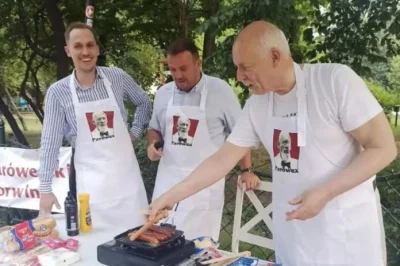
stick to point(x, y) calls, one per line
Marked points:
point(28, 234)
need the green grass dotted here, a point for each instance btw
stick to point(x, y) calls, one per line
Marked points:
point(34, 128)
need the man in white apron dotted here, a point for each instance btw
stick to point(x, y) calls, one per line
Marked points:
point(88, 108)
point(324, 204)
point(193, 116)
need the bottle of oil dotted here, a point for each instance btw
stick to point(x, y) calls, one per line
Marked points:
point(71, 215)
point(85, 219)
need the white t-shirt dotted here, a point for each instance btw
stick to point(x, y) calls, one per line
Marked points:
point(338, 101)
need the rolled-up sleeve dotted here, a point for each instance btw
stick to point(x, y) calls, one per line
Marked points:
point(141, 100)
point(51, 141)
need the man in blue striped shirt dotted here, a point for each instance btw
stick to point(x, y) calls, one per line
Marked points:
point(78, 107)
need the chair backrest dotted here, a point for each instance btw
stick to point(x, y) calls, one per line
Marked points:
point(241, 233)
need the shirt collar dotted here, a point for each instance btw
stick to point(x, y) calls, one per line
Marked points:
point(77, 86)
point(198, 87)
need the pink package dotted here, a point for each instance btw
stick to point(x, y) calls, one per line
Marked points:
point(71, 244)
point(54, 243)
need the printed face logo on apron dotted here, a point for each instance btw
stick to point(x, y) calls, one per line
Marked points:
point(101, 125)
point(286, 151)
point(183, 130)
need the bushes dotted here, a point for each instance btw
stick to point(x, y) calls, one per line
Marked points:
point(385, 97)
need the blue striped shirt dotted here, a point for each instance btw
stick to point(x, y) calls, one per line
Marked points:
point(60, 120)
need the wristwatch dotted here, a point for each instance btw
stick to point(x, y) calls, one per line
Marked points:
point(247, 170)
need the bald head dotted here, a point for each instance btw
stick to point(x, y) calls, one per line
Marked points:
point(261, 36)
point(262, 57)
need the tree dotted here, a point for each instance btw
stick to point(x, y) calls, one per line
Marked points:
point(356, 32)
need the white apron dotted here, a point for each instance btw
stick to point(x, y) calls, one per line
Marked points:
point(201, 213)
point(106, 166)
point(340, 235)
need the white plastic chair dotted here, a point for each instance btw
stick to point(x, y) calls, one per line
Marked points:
point(241, 233)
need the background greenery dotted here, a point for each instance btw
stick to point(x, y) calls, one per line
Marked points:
point(363, 34)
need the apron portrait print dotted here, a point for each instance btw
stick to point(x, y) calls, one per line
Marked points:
point(286, 151)
point(183, 130)
point(101, 124)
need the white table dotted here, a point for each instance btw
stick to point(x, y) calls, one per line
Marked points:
point(88, 242)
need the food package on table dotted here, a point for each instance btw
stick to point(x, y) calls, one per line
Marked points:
point(204, 242)
point(244, 261)
point(25, 258)
point(59, 257)
point(54, 243)
point(204, 255)
point(28, 234)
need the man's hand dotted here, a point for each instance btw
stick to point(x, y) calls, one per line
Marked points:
point(311, 203)
point(153, 153)
point(159, 206)
point(134, 139)
point(251, 180)
point(46, 202)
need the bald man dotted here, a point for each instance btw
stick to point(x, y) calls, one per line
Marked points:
point(325, 213)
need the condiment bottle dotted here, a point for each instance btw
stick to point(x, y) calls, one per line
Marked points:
point(85, 219)
point(71, 215)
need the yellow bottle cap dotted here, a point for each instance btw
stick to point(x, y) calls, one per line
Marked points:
point(84, 196)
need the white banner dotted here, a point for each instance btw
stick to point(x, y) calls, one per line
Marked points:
point(19, 182)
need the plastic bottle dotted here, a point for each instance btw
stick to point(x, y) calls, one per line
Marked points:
point(71, 215)
point(85, 219)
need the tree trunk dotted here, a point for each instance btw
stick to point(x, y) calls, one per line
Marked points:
point(33, 105)
point(211, 7)
point(102, 57)
point(15, 108)
point(13, 123)
point(57, 25)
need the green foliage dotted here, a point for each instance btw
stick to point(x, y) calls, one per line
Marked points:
point(141, 61)
point(349, 32)
point(386, 98)
point(394, 74)
point(147, 167)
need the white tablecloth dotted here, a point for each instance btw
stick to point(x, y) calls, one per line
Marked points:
point(88, 242)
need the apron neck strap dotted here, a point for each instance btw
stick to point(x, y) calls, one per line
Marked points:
point(203, 95)
point(105, 80)
point(301, 105)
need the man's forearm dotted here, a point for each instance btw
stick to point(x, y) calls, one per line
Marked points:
point(141, 119)
point(245, 162)
point(367, 164)
point(153, 136)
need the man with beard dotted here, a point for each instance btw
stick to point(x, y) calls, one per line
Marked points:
point(284, 160)
point(181, 137)
point(101, 130)
point(107, 168)
point(327, 212)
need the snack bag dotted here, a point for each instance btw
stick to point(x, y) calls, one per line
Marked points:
point(244, 261)
point(28, 234)
point(22, 237)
